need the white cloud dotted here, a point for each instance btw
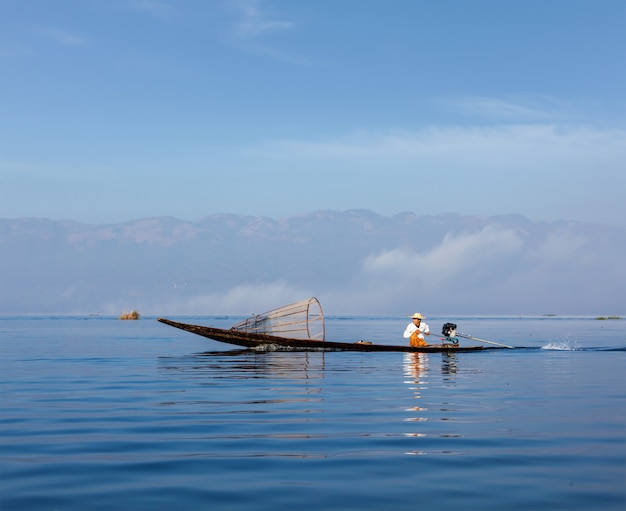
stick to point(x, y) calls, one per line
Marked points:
point(561, 247)
point(494, 269)
point(244, 299)
point(256, 22)
point(530, 108)
point(443, 264)
point(508, 109)
point(160, 10)
point(63, 37)
point(543, 171)
point(500, 145)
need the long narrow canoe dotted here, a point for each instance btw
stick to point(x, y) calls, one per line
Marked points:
point(265, 342)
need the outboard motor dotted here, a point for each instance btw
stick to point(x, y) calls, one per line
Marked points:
point(449, 332)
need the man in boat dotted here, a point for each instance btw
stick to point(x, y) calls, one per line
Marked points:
point(416, 330)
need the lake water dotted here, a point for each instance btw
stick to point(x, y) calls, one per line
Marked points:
point(102, 414)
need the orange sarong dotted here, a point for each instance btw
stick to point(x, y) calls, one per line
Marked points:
point(416, 340)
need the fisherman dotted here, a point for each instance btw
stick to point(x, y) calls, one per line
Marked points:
point(416, 330)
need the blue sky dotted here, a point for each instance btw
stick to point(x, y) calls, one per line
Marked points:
point(112, 110)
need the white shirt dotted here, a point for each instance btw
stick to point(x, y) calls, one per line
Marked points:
point(410, 328)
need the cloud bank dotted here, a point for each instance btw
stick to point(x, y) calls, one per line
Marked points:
point(355, 262)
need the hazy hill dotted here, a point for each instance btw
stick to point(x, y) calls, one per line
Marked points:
point(356, 262)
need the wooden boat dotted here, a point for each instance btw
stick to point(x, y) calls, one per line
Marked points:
point(266, 342)
point(300, 327)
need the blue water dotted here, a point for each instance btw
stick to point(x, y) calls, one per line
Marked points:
point(101, 414)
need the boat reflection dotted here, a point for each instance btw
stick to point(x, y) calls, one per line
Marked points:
point(448, 364)
point(416, 370)
point(418, 375)
point(245, 363)
point(257, 405)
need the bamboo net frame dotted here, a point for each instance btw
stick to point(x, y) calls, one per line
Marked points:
point(299, 320)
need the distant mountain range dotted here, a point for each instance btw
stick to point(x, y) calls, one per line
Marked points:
point(355, 262)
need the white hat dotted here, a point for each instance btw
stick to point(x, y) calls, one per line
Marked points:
point(417, 315)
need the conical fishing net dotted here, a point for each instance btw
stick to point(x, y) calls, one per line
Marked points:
point(300, 320)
